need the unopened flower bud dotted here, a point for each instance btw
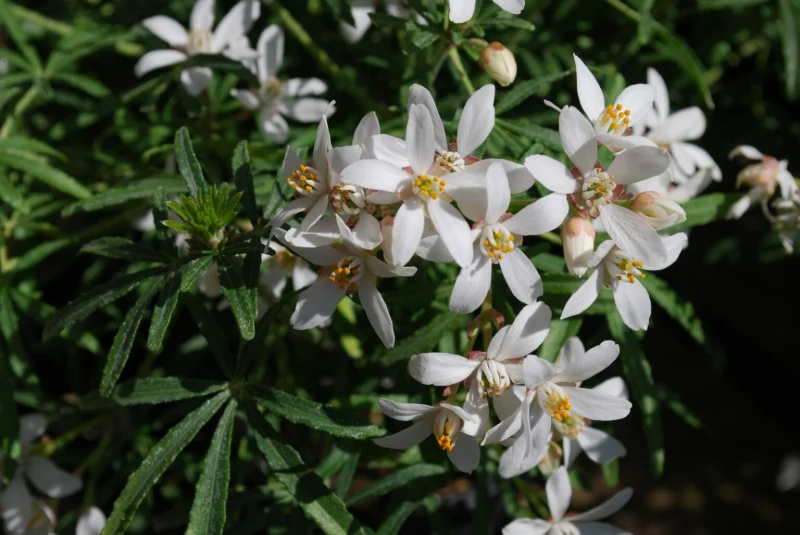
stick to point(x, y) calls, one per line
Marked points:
point(763, 175)
point(658, 211)
point(499, 63)
point(577, 237)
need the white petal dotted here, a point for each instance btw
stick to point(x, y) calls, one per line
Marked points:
point(633, 235)
point(551, 173)
point(408, 437)
point(571, 450)
point(661, 101)
point(379, 268)
point(527, 526)
point(367, 232)
point(638, 163)
point(316, 304)
point(747, 151)
point(589, 93)
point(270, 51)
point(466, 454)
point(418, 94)
point(536, 371)
point(353, 34)
point(579, 367)
point(246, 98)
point(302, 276)
point(472, 285)
point(377, 312)
point(469, 191)
point(202, 17)
point(597, 406)
point(31, 427)
point(367, 127)
point(544, 215)
point(512, 6)
point(196, 79)
point(584, 297)
point(322, 147)
point(605, 509)
point(477, 407)
point(507, 428)
point(91, 522)
point(498, 195)
point(578, 138)
point(521, 276)
point(407, 231)
point(388, 149)
point(419, 139)
point(633, 304)
point(403, 412)
point(432, 249)
point(453, 230)
point(599, 446)
point(614, 386)
point(50, 479)
point(477, 120)
point(559, 493)
point(617, 143)
point(274, 280)
point(572, 351)
point(519, 178)
point(168, 30)
point(341, 157)
point(157, 59)
point(683, 125)
point(314, 214)
point(303, 87)
point(236, 23)
point(461, 10)
point(374, 174)
point(307, 110)
point(17, 506)
point(274, 126)
point(637, 98)
point(440, 369)
point(675, 244)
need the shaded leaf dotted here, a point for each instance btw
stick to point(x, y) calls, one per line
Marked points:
point(188, 165)
point(242, 299)
point(397, 480)
point(164, 311)
point(140, 189)
point(150, 391)
point(211, 331)
point(123, 248)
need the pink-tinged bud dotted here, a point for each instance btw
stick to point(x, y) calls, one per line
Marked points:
point(499, 63)
point(577, 237)
point(658, 211)
point(763, 175)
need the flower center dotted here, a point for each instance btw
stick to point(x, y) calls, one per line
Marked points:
point(492, 378)
point(452, 161)
point(615, 119)
point(598, 189)
point(622, 267)
point(446, 428)
point(347, 199)
point(428, 187)
point(569, 426)
point(555, 402)
point(199, 42)
point(496, 242)
point(304, 180)
point(285, 259)
point(271, 92)
point(346, 273)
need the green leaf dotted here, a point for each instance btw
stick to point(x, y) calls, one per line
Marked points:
point(342, 10)
point(425, 338)
point(211, 331)
point(336, 421)
point(397, 480)
point(791, 49)
point(17, 34)
point(241, 298)
point(10, 194)
point(546, 136)
point(728, 4)
point(307, 488)
point(150, 391)
point(209, 509)
point(123, 340)
point(9, 418)
point(243, 177)
point(97, 297)
point(560, 332)
point(639, 376)
point(524, 90)
point(188, 164)
point(160, 457)
point(398, 516)
point(141, 189)
point(164, 311)
point(193, 271)
point(87, 84)
point(706, 209)
point(30, 145)
point(51, 176)
point(124, 249)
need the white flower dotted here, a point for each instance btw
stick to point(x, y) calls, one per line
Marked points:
point(593, 190)
point(22, 514)
point(285, 265)
point(660, 212)
point(554, 398)
point(275, 98)
point(463, 10)
point(559, 494)
point(422, 192)
point(762, 177)
point(452, 426)
point(228, 38)
point(612, 120)
point(361, 10)
point(620, 271)
point(346, 268)
point(91, 522)
point(577, 238)
point(497, 238)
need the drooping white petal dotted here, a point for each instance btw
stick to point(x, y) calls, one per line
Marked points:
point(274, 126)
point(461, 10)
point(675, 244)
point(91, 522)
point(303, 87)
point(411, 436)
point(31, 427)
point(527, 526)
point(246, 98)
point(551, 173)
point(403, 412)
point(377, 312)
point(167, 29)
point(477, 120)
point(418, 94)
point(633, 304)
point(683, 125)
point(49, 479)
point(585, 296)
point(521, 276)
point(316, 304)
point(419, 139)
point(512, 6)
point(407, 230)
point(507, 428)
point(579, 367)
point(270, 51)
point(633, 235)
point(307, 110)
point(589, 93)
point(559, 493)
point(599, 446)
point(498, 195)
point(466, 454)
point(441, 369)
point(202, 17)
point(578, 138)
point(472, 285)
point(452, 228)
point(542, 216)
point(605, 509)
point(196, 79)
point(596, 405)
point(236, 23)
point(638, 163)
point(17, 506)
point(748, 151)
point(637, 98)
point(157, 59)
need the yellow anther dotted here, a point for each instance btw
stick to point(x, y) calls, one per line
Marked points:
point(619, 107)
point(428, 187)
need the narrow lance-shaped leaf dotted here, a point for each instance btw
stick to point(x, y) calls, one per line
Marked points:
point(425, 338)
point(51, 176)
point(123, 340)
point(140, 189)
point(307, 488)
point(397, 480)
point(211, 331)
point(188, 165)
point(164, 311)
point(239, 296)
point(124, 249)
point(243, 177)
point(150, 391)
point(17, 33)
point(209, 509)
point(193, 271)
point(160, 457)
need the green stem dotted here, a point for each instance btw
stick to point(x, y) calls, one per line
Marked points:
point(455, 59)
point(22, 105)
point(487, 326)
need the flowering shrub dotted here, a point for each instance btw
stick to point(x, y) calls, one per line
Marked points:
point(450, 243)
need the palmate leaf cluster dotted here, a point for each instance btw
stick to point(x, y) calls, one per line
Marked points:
point(182, 410)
